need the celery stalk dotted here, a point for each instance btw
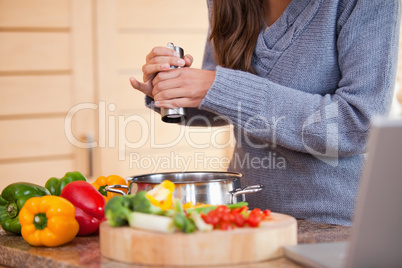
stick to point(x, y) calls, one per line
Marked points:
point(151, 222)
point(207, 209)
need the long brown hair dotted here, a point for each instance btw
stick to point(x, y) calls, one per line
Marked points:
point(235, 26)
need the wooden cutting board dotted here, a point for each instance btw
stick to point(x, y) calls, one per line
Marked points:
point(241, 245)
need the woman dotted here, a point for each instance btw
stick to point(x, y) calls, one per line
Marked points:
point(300, 81)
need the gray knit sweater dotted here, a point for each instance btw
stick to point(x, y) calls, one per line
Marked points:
point(323, 70)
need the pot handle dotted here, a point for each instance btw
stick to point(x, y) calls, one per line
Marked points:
point(246, 190)
point(111, 188)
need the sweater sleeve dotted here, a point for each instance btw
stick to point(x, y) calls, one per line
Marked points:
point(330, 125)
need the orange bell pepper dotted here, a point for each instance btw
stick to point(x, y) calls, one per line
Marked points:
point(162, 195)
point(48, 221)
point(101, 182)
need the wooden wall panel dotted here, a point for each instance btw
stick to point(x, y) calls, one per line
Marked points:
point(46, 68)
point(83, 66)
point(34, 51)
point(162, 15)
point(22, 95)
point(34, 13)
point(30, 138)
point(128, 98)
point(35, 172)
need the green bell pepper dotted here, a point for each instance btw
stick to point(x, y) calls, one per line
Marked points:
point(55, 185)
point(12, 199)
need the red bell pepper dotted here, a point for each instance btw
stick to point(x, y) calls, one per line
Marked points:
point(89, 205)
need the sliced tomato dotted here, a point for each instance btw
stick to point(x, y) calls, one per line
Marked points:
point(255, 217)
point(239, 220)
point(266, 213)
point(226, 225)
point(225, 219)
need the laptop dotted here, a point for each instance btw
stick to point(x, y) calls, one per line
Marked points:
point(376, 239)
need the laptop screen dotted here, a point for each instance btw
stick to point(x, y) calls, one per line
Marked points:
point(377, 235)
point(376, 239)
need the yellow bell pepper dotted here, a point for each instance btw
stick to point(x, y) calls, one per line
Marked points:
point(198, 205)
point(101, 182)
point(162, 195)
point(48, 221)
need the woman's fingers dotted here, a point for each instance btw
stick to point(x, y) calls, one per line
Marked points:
point(159, 64)
point(173, 92)
point(189, 60)
point(158, 61)
point(174, 61)
point(161, 55)
point(161, 51)
point(162, 76)
point(145, 88)
point(150, 70)
point(185, 86)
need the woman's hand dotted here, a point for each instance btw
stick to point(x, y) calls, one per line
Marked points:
point(184, 87)
point(158, 60)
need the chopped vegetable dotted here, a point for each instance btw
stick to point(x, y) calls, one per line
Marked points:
point(138, 212)
point(206, 209)
point(117, 210)
point(189, 205)
point(225, 218)
point(148, 211)
point(102, 182)
point(162, 195)
point(180, 219)
point(141, 203)
point(255, 217)
point(151, 222)
point(200, 223)
point(48, 221)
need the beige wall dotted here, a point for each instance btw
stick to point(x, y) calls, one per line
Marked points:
point(70, 60)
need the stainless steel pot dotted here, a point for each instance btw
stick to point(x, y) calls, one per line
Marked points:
point(214, 188)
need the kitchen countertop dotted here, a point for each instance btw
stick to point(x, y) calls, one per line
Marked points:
point(85, 251)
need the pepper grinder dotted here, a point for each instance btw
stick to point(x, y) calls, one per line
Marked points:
point(174, 115)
